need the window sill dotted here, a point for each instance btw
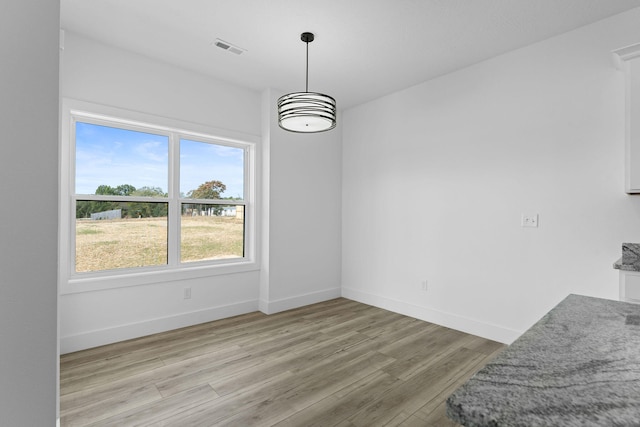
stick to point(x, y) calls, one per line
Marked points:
point(157, 275)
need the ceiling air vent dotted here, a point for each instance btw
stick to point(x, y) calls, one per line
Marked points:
point(228, 46)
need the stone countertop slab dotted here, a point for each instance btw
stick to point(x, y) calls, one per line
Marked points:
point(630, 260)
point(618, 265)
point(577, 366)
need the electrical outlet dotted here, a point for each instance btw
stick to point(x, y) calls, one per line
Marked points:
point(424, 285)
point(187, 293)
point(530, 220)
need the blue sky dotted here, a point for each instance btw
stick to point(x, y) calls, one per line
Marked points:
point(201, 162)
point(111, 156)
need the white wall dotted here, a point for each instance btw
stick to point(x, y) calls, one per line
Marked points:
point(29, 172)
point(105, 75)
point(102, 74)
point(436, 177)
point(301, 215)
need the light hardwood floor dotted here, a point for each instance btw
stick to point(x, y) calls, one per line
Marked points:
point(337, 363)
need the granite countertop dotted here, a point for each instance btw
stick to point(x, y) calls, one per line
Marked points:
point(630, 260)
point(577, 366)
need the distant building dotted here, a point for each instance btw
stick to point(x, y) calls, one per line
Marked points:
point(112, 214)
point(228, 211)
point(235, 211)
point(217, 210)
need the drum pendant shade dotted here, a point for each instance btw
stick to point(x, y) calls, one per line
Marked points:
point(306, 112)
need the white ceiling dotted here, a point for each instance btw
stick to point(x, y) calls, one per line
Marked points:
point(363, 48)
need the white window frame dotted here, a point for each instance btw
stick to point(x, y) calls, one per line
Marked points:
point(71, 281)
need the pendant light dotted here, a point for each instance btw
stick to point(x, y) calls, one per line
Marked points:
point(306, 112)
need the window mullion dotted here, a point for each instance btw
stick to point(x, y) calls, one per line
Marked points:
point(174, 201)
point(249, 195)
point(126, 199)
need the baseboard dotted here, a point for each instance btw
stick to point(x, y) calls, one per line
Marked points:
point(449, 320)
point(276, 306)
point(118, 333)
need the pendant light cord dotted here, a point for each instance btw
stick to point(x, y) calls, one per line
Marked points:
point(306, 87)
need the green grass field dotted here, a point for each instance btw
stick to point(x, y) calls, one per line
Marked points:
point(122, 243)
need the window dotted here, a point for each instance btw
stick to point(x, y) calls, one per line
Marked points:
point(211, 230)
point(147, 198)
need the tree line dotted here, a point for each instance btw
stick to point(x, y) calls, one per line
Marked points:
point(84, 208)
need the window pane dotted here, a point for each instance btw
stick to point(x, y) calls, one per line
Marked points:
point(122, 162)
point(211, 232)
point(111, 235)
point(211, 171)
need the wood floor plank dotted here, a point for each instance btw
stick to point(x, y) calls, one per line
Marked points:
point(434, 405)
point(230, 405)
point(411, 394)
point(155, 341)
point(337, 363)
point(108, 375)
point(490, 348)
point(361, 320)
point(431, 338)
point(440, 345)
point(193, 378)
point(88, 414)
point(307, 389)
point(228, 373)
point(339, 406)
point(282, 393)
point(389, 326)
point(438, 418)
point(399, 419)
point(413, 333)
point(92, 393)
point(154, 412)
point(438, 421)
